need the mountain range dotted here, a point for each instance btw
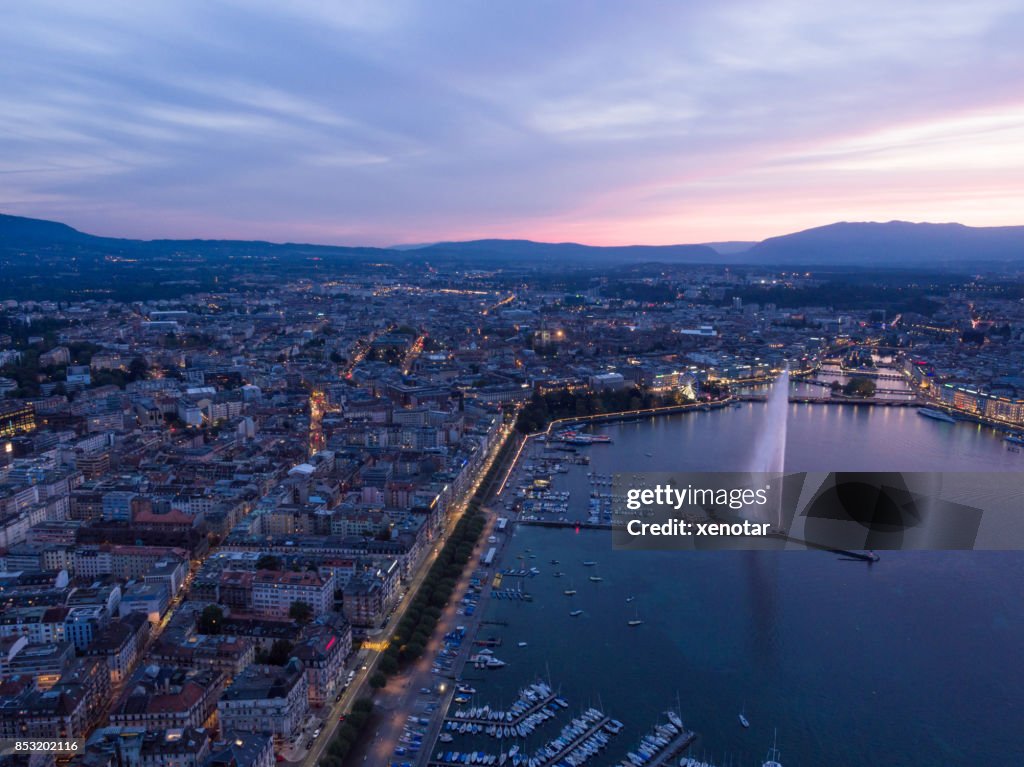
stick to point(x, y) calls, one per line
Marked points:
point(853, 244)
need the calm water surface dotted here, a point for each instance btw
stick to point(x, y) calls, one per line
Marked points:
point(913, 661)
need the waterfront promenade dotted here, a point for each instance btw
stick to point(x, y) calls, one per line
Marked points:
point(388, 729)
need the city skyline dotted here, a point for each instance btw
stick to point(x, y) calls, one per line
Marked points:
point(535, 384)
point(412, 124)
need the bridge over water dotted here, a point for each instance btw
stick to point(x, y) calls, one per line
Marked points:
point(828, 400)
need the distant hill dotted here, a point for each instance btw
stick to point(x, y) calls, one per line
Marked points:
point(411, 246)
point(528, 250)
point(16, 228)
point(17, 232)
point(896, 243)
point(46, 259)
point(732, 247)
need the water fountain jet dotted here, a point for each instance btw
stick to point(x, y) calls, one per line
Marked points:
point(770, 444)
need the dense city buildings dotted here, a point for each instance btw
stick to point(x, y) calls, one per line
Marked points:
point(212, 505)
point(271, 699)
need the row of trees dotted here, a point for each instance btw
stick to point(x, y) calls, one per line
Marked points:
point(859, 386)
point(348, 734)
point(413, 632)
point(545, 408)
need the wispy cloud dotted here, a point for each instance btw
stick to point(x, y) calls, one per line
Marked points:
point(606, 122)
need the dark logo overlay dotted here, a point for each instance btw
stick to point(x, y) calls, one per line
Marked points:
point(843, 511)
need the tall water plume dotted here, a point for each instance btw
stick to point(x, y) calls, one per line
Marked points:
point(770, 444)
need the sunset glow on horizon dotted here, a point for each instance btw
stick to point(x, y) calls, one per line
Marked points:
point(601, 123)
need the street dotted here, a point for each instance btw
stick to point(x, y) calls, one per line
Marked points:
point(360, 686)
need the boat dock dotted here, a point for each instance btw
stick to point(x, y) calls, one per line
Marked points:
point(864, 556)
point(579, 740)
point(663, 746)
point(534, 708)
point(673, 751)
point(868, 556)
point(566, 523)
point(525, 596)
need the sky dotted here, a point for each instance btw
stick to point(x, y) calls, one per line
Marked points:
point(607, 123)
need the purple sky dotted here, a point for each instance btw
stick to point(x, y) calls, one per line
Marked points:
point(617, 122)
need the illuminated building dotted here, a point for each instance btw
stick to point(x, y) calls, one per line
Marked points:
point(970, 399)
point(274, 592)
point(16, 418)
point(323, 656)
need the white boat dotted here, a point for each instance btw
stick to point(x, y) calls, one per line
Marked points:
point(773, 754)
point(636, 620)
point(576, 613)
point(521, 644)
point(938, 415)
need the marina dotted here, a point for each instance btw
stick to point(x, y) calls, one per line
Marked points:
point(535, 502)
point(662, 746)
point(586, 735)
point(538, 697)
point(749, 652)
